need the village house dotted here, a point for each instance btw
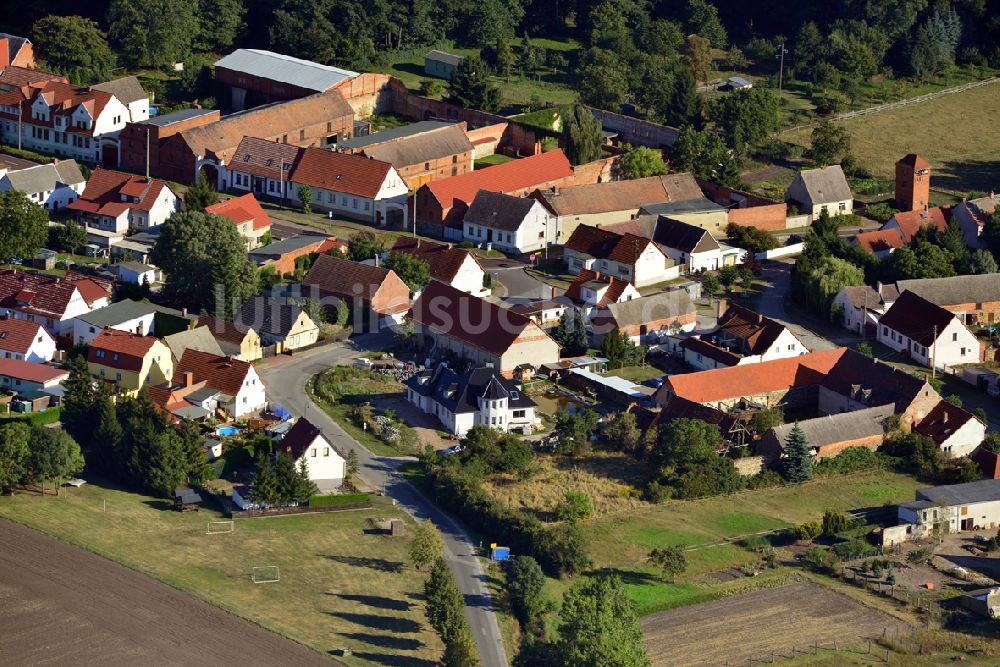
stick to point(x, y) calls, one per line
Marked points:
point(741, 337)
point(821, 189)
point(199, 339)
point(16, 51)
point(908, 223)
point(927, 333)
point(279, 322)
point(19, 376)
point(254, 77)
point(49, 301)
point(252, 221)
point(239, 389)
point(129, 361)
point(644, 319)
point(952, 508)
point(377, 296)
point(955, 431)
point(747, 209)
point(241, 342)
point(546, 313)
point(305, 443)
point(599, 204)
point(318, 120)
point(262, 168)
point(117, 202)
point(450, 322)
point(830, 434)
point(453, 266)
point(441, 63)
point(971, 216)
point(690, 246)
point(627, 256)
point(478, 396)
point(26, 341)
point(54, 185)
point(858, 309)
point(66, 120)
point(14, 77)
point(510, 224)
point(283, 255)
point(880, 242)
point(421, 152)
point(145, 319)
point(135, 273)
point(701, 212)
point(441, 205)
point(593, 289)
point(975, 299)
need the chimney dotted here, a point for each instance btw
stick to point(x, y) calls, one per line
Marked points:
point(721, 308)
point(376, 260)
point(944, 419)
point(184, 311)
point(188, 378)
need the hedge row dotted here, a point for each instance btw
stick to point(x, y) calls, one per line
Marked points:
point(43, 418)
point(342, 499)
point(26, 154)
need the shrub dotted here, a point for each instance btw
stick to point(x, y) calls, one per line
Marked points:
point(575, 505)
point(837, 522)
point(881, 211)
point(808, 531)
point(853, 549)
point(765, 479)
point(919, 556)
point(756, 543)
point(819, 559)
point(342, 499)
point(852, 459)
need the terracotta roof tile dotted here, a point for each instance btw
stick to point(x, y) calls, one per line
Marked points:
point(121, 349)
point(915, 161)
point(25, 370)
point(347, 279)
point(19, 335)
point(225, 374)
point(340, 172)
point(910, 222)
point(444, 261)
point(603, 244)
point(508, 177)
point(880, 240)
point(264, 158)
point(616, 286)
point(44, 295)
point(242, 209)
point(425, 147)
point(105, 188)
point(17, 77)
point(757, 331)
point(621, 195)
point(224, 330)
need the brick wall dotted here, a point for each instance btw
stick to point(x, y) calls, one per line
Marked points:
point(871, 442)
point(486, 139)
point(598, 171)
point(260, 90)
point(133, 141)
point(367, 94)
point(635, 131)
point(747, 209)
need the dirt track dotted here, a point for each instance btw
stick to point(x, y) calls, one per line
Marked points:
point(60, 605)
point(731, 630)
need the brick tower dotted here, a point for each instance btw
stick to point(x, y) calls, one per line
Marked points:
point(913, 183)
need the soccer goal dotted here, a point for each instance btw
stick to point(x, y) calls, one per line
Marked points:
point(266, 574)
point(218, 527)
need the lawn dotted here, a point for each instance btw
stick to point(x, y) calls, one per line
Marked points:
point(955, 133)
point(492, 160)
point(636, 373)
point(342, 585)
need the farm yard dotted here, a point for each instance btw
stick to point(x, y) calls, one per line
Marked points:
point(342, 583)
point(756, 625)
point(955, 133)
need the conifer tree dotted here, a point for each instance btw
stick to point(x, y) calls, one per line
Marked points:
point(797, 464)
point(264, 487)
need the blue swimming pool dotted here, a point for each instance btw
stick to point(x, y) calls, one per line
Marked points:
point(227, 430)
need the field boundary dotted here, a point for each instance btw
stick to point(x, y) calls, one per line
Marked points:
point(926, 97)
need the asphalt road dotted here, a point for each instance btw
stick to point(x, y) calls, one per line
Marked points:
point(517, 285)
point(286, 378)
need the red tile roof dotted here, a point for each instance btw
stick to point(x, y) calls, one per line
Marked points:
point(444, 260)
point(347, 279)
point(242, 209)
point(19, 335)
point(21, 76)
point(468, 318)
point(42, 295)
point(757, 331)
point(910, 222)
point(508, 177)
point(25, 370)
point(121, 349)
point(105, 187)
point(880, 240)
point(261, 157)
point(753, 379)
point(616, 286)
point(603, 244)
point(63, 99)
point(225, 374)
point(340, 172)
point(942, 422)
point(915, 161)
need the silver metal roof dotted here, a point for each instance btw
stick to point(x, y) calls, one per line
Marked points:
point(286, 69)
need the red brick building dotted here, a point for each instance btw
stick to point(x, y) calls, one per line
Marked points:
point(136, 137)
point(913, 183)
point(16, 51)
point(254, 77)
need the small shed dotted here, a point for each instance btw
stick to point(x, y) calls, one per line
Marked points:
point(739, 83)
point(186, 499)
point(441, 63)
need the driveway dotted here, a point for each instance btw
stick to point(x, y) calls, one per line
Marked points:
point(286, 378)
point(774, 299)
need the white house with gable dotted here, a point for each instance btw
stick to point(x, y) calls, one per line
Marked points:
point(305, 443)
point(927, 333)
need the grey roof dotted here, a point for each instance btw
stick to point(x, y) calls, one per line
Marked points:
point(499, 211)
point(45, 177)
point(444, 57)
point(395, 133)
point(840, 427)
point(286, 69)
point(645, 309)
point(984, 490)
point(14, 44)
point(176, 117)
point(699, 205)
point(862, 296)
point(424, 147)
point(127, 89)
point(199, 338)
point(956, 290)
point(826, 185)
point(269, 316)
point(138, 267)
point(286, 245)
point(682, 236)
point(738, 82)
point(123, 311)
point(459, 393)
point(192, 412)
point(203, 394)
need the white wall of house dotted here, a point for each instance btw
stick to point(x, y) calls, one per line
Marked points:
point(53, 200)
point(955, 345)
point(784, 346)
point(851, 317)
point(963, 441)
point(971, 229)
point(538, 227)
point(138, 110)
point(84, 333)
point(469, 277)
point(650, 268)
point(327, 468)
point(252, 396)
point(166, 205)
point(593, 297)
point(41, 350)
point(58, 139)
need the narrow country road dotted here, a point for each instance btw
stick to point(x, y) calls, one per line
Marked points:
point(286, 379)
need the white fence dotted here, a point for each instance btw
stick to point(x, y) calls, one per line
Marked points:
point(784, 251)
point(795, 221)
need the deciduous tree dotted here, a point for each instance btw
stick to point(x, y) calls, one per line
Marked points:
point(23, 225)
point(748, 117)
point(581, 135)
point(54, 455)
point(525, 583)
point(830, 142)
point(598, 626)
point(411, 269)
point(14, 454)
point(73, 44)
point(427, 545)
point(670, 560)
point(642, 162)
point(153, 33)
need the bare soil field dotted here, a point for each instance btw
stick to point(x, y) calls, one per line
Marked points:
point(62, 605)
point(731, 630)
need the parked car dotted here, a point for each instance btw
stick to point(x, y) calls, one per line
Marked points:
point(454, 449)
point(363, 363)
point(655, 383)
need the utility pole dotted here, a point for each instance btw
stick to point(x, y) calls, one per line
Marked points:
point(147, 152)
point(20, 111)
point(415, 213)
point(781, 68)
point(864, 315)
point(934, 353)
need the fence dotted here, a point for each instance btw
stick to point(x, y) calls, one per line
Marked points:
point(859, 645)
point(279, 511)
point(784, 251)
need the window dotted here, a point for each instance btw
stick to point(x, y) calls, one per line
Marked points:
point(284, 138)
point(518, 414)
point(963, 351)
point(118, 377)
point(368, 205)
point(427, 166)
point(302, 135)
point(326, 451)
point(100, 354)
point(312, 452)
point(954, 337)
point(454, 159)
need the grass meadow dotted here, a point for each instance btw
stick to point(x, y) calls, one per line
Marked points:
point(342, 583)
